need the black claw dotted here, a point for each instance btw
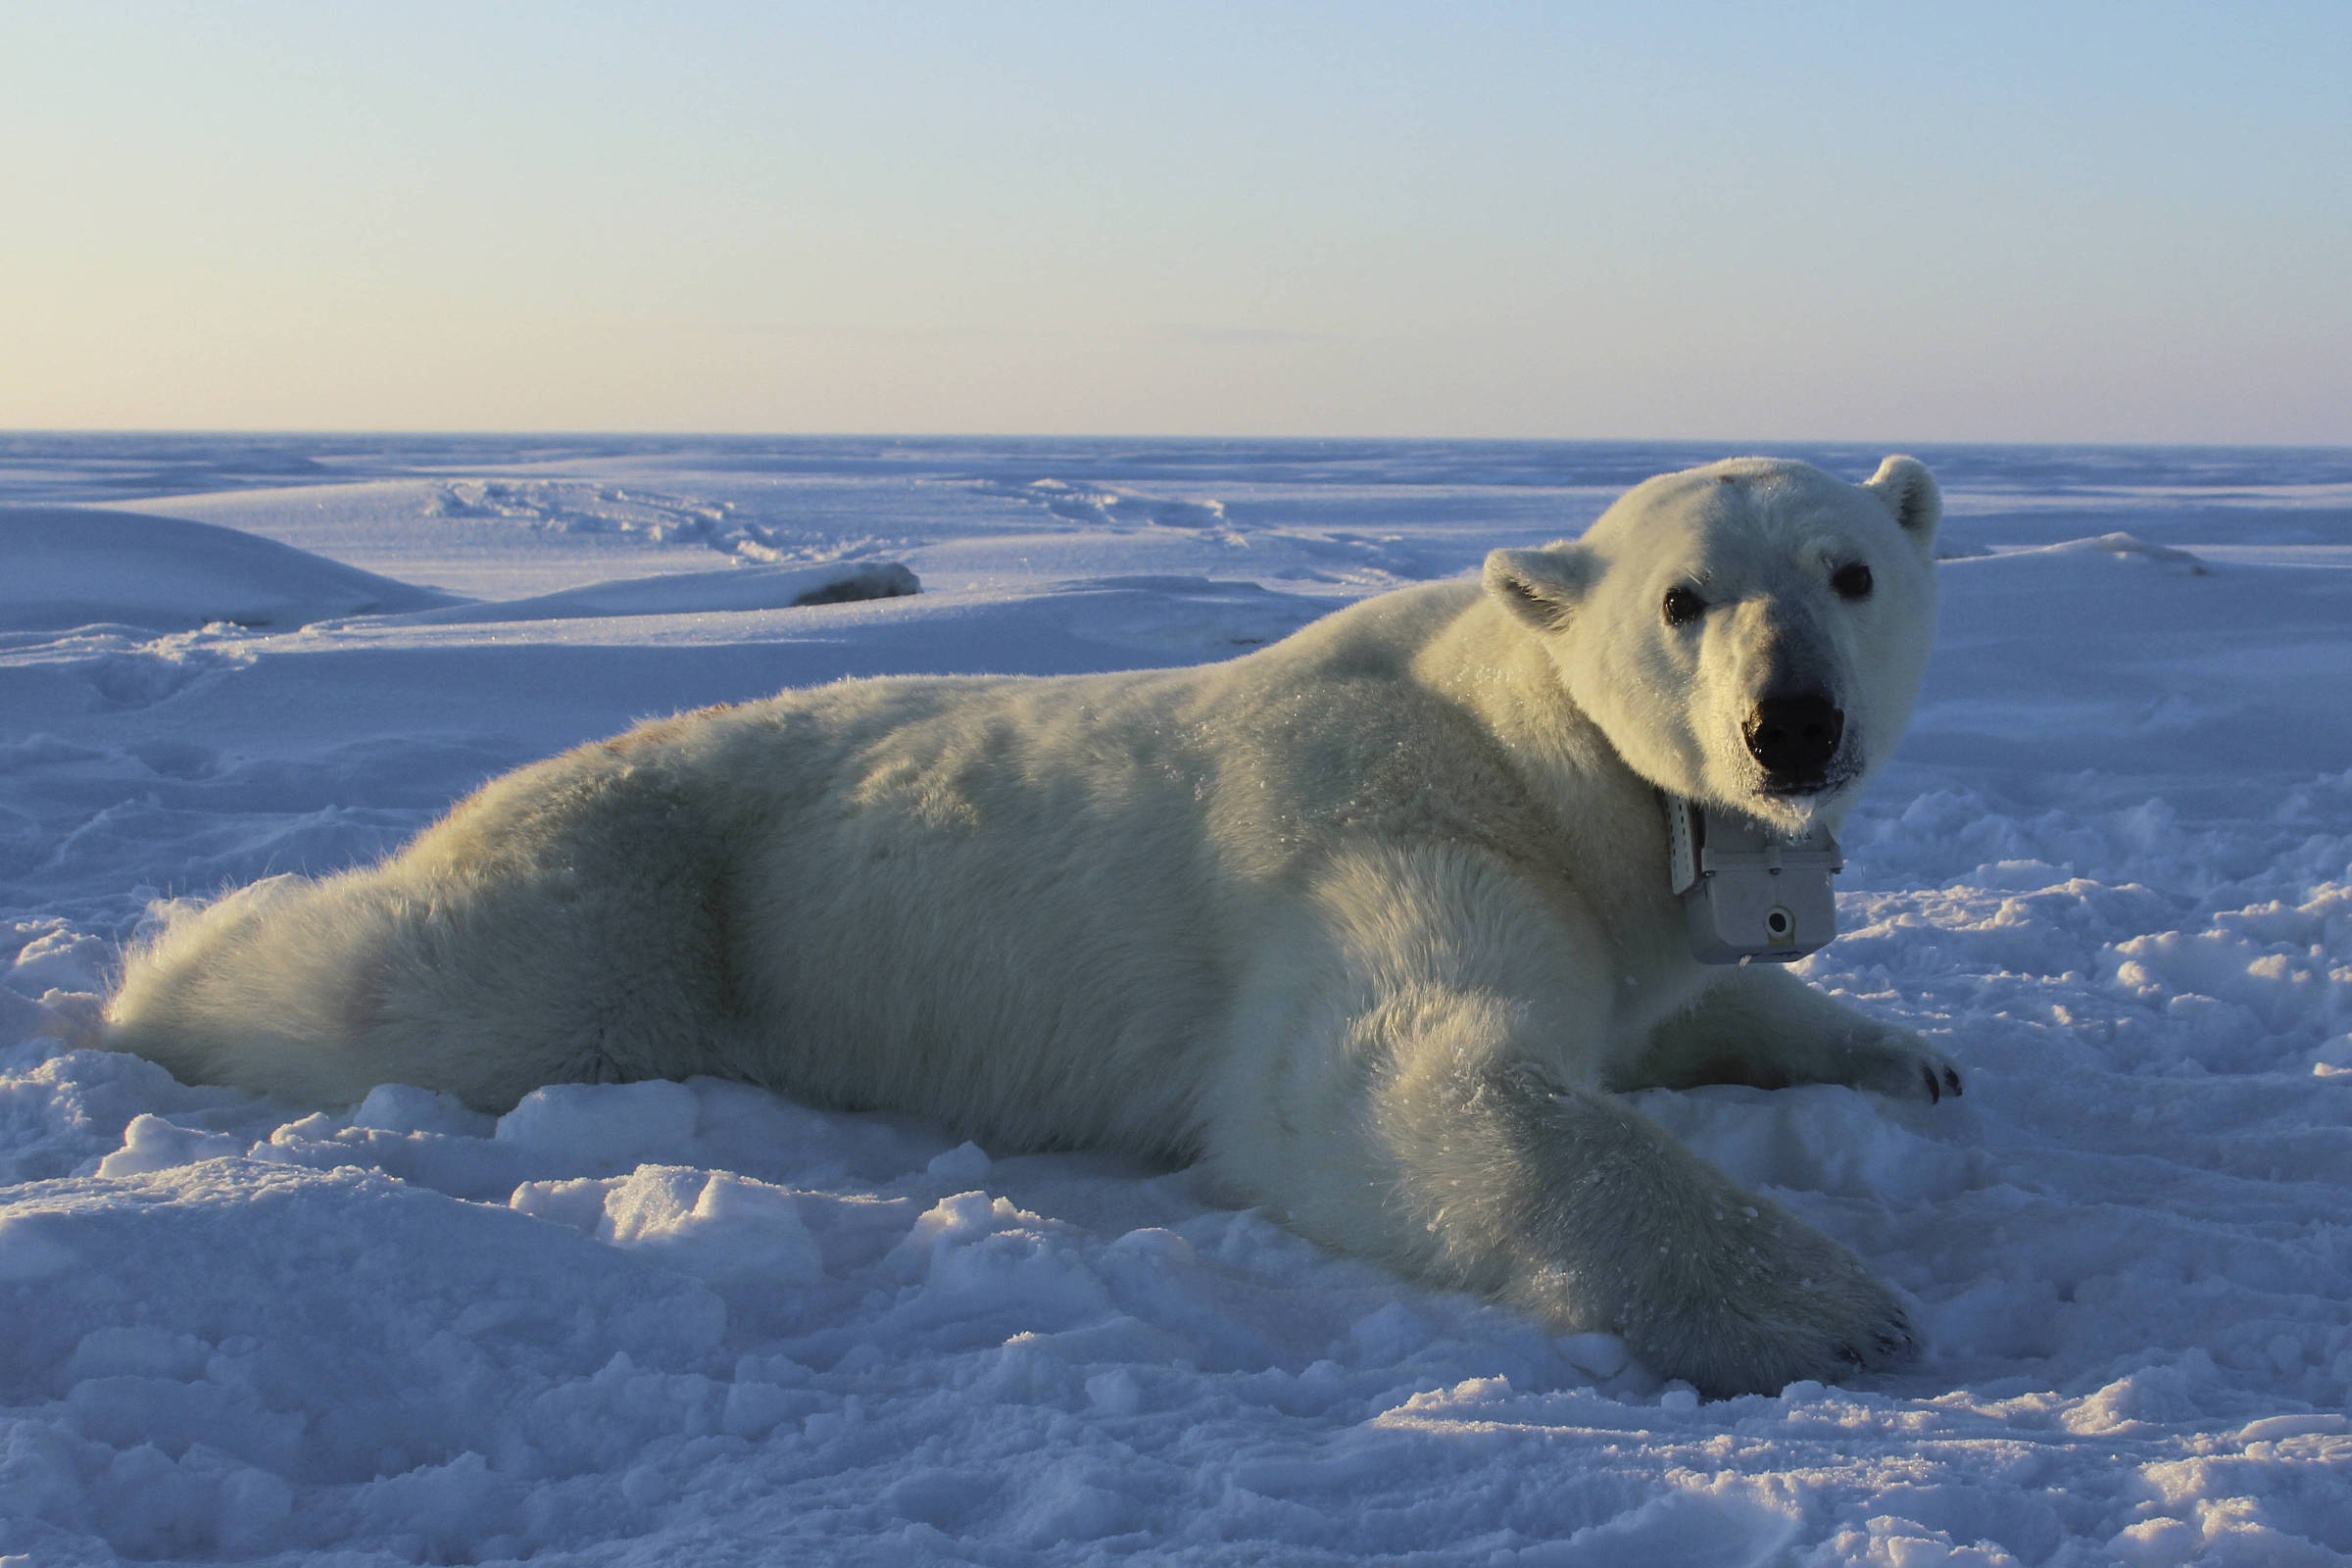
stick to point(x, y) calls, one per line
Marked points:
point(1935, 1089)
point(1885, 1349)
point(1952, 1081)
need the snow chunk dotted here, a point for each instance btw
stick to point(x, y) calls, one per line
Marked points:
point(2276, 1427)
point(984, 1259)
point(603, 1123)
point(1892, 1541)
point(2152, 1397)
point(404, 1109)
point(152, 1144)
point(62, 959)
point(965, 1164)
point(710, 1224)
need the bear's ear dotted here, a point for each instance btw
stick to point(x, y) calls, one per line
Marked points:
point(1542, 587)
point(1908, 491)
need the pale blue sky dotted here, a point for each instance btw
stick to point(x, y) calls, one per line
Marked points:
point(1973, 221)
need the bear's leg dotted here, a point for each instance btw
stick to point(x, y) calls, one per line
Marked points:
point(1412, 1079)
point(1763, 1026)
point(483, 985)
point(1569, 1203)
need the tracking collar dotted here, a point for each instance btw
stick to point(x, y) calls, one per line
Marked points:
point(1746, 892)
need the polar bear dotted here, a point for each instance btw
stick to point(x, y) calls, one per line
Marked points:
point(1374, 923)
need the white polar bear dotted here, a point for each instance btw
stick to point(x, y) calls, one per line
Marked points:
point(1375, 921)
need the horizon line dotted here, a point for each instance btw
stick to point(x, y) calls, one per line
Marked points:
point(1755, 444)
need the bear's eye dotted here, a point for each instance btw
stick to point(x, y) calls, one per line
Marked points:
point(1853, 581)
point(1682, 607)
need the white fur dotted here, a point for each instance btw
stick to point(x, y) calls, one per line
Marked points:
point(1374, 921)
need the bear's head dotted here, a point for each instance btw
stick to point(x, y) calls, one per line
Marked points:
point(1748, 635)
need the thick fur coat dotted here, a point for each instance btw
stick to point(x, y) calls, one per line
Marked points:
point(1374, 921)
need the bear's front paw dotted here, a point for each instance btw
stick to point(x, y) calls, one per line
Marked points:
point(1770, 1300)
point(1902, 1066)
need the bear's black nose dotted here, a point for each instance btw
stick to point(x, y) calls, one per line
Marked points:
point(1795, 738)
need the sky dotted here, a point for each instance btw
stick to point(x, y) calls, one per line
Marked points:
point(1900, 222)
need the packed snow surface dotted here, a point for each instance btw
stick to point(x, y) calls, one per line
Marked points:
point(2111, 872)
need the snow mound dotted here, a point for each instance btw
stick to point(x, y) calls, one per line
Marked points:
point(693, 593)
point(70, 567)
point(2137, 551)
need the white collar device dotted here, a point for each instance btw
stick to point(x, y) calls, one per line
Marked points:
point(1746, 892)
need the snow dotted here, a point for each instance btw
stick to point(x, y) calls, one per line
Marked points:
point(69, 568)
point(2111, 872)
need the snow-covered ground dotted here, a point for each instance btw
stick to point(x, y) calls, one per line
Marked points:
point(695, 1323)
